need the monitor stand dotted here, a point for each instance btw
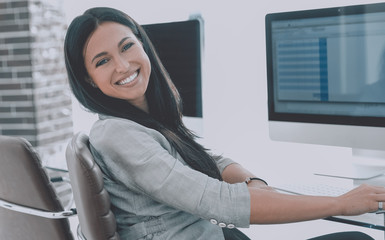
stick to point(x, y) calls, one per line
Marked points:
point(363, 165)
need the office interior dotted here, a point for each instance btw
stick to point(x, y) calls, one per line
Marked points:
point(234, 93)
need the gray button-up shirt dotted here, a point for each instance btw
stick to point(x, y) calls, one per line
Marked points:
point(155, 194)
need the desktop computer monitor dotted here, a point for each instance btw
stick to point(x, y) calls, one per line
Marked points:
point(179, 46)
point(326, 80)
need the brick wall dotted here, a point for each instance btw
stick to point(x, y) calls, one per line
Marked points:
point(35, 100)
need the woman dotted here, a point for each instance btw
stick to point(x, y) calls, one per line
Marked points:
point(163, 184)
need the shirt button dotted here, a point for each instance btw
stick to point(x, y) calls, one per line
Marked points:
point(213, 221)
point(222, 225)
point(230, 226)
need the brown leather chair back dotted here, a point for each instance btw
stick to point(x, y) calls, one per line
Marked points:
point(23, 181)
point(92, 201)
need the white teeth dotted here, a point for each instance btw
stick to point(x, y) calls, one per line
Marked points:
point(128, 80)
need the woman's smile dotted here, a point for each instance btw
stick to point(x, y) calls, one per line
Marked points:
point(129, 79)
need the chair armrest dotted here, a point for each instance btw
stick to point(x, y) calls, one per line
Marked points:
point(37, 212)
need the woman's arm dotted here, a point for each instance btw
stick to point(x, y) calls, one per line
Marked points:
point(235, 173)
point(269, 206)
point(272, 207)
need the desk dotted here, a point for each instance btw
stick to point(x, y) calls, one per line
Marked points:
point(369, 220)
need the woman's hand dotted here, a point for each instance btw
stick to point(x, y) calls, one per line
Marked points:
point(361, 200)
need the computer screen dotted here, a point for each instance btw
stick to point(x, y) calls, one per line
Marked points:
point(179, 46)
point(326, 76)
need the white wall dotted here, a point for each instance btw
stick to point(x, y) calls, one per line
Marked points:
point(234, 87)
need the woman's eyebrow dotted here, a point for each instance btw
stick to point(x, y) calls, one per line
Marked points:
point(122, 41)
point(104, 53)
point(99, 55)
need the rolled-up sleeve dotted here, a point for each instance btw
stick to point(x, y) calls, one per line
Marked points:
point(222, 162)
point(143, 161)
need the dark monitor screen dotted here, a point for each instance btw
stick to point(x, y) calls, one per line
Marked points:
point(179, 46)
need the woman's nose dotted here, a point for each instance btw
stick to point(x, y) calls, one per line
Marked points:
point(121, 65)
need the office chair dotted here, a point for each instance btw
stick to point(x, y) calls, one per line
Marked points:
point(92, 201)
point(30, 207)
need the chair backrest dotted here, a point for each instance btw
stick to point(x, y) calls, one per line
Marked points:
point(23, 181)
point(92, 201)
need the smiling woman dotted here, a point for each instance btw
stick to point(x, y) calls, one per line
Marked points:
point(162, 183)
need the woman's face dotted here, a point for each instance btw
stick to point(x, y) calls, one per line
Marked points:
point(117, 63)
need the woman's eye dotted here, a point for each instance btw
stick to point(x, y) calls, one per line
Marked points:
point(101, 62)
point(127, 46)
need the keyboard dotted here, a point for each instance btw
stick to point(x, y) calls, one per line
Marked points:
point(312, 189)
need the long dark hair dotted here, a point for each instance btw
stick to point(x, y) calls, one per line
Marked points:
point(165, 108)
